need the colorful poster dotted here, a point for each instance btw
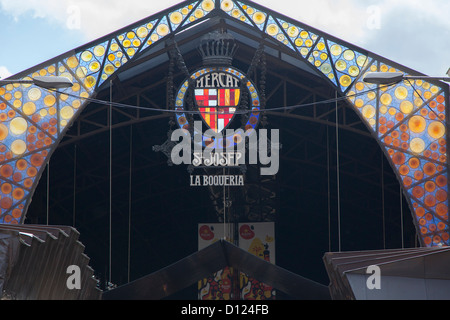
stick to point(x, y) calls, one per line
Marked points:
point(219, 285)
point(256, 238)
point(259, 240)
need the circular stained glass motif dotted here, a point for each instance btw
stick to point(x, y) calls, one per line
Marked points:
point(368, 112)
point(86, 56)
point(336, 50)
point(417, 145)
point(142, 32)
point(353, 71)
point(345, 80)
point(417, 124)
point(386, 99)
point(18, 147)
point(272, 29)
point(29, 108)
point(304, 34)
point(326, 68)
point(259, 17)
point(3, 132)
point(34, 94)
point(198, 13)
point(162, 29)
point(227, 5)
point(72, 62)
point(401, 93)
point(406, 107)
point(90, 82)
point(109, 69)
point(208, 5)
point(361, 61)
point(349, 55)
point(94, 66)
point(176, 17)
point(18, 126)
point(436, 130)
point(99, 51)
point(293, 31)
point(341, 65)
point(320, 46)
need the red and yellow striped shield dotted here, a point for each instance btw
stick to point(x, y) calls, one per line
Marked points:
point(217, 106)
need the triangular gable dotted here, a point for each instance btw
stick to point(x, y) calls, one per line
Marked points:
point(213, 258)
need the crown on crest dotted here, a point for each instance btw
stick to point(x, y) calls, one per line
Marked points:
point(217, 49)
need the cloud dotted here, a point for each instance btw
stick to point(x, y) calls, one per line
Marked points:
point(410, 32)
point(101, 17)
point(91, 18)
point(4, 72)
point(50, 9)
point(344, 19)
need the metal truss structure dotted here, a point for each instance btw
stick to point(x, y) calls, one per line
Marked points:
point(313, 79)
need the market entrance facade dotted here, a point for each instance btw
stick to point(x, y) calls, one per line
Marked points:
point(134, 88)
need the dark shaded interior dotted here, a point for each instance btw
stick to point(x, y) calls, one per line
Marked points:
point(164, 210)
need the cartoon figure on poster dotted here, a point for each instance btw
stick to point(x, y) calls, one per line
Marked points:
point(219, 285)
point(256, 238)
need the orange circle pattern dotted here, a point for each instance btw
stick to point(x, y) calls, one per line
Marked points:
point(410, 123)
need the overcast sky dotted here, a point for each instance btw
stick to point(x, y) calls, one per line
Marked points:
point(414, 33)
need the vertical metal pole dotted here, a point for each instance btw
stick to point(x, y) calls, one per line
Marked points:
point(337, 174)
point(129, 202)
point(328, 183)
point(110, 178)
point(382, 200)
point(48, 191)
point(401, 216)
point(74, 183)
point(224, 212)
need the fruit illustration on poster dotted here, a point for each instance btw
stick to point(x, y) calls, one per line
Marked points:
point(206, 232)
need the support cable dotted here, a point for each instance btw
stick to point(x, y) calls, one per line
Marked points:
point(401, 216)
point(224, 211)
point(129, 201)
point(328, 183)
point(110, 178)
point(337, 175)
point(382, 201)
point(48, 191)
point(74, 182)
point(192, 111)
